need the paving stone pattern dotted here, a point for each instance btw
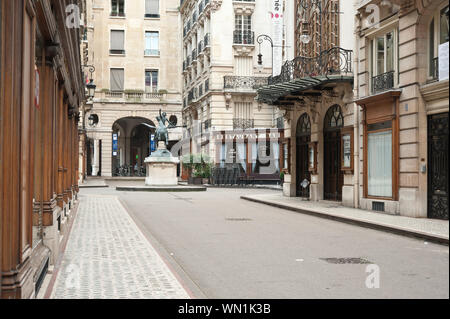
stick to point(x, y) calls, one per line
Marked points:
point(108, 257)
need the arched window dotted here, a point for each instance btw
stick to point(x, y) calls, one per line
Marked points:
point(333, 119)
point(304, 125)
point(438, 35)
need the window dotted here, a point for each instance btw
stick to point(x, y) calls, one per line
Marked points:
point(151, 43)
point(117, 8)
point(379, 159)
point(384, 61)
point(116, 80)
point(243, 30)
point(439, 35)
point(117, 42)
point(152, 8)
point(151, 81)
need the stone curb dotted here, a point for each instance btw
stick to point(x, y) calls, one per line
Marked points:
point(378, 226)
point(160, 189)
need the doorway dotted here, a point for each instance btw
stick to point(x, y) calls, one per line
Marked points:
point(438, 166)
point(303, 137)
point(333, 175)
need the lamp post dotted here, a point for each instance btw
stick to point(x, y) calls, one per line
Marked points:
point(90, 86)
point(261, 38)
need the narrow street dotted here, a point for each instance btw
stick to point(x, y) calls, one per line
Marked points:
point(220, 246)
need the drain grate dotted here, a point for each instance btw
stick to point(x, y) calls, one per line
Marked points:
point(346, 260)
point(238, 219)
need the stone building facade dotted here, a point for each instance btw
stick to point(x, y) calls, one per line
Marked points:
point(133, 46)
point(403, 81)
point(367, 118)
point(41, 91)
point(221, 72)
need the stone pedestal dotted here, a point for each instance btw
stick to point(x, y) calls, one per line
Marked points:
point(161, 168)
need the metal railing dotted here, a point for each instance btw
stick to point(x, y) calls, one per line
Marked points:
point(243, 123)
point(132, 95)
point(335, 61)
point(243, 37)
point(383, 82)
point(244, 82)
point(151, 52)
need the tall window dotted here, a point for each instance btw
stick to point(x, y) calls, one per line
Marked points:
point(117, 42)
point(243, 30)
point(117, 8)
point(152, 8)
point(439, 35)
point(116, 80)
point(383, 61)
point(151, 81)
point(151, 43)
point(379, 159)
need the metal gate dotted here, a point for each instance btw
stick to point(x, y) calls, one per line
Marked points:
point(438, 166)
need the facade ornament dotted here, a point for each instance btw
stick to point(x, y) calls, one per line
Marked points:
point(227, 100)
point(216, 4)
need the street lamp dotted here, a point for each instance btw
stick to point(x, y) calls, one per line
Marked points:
point(260, 40)
point(93, 120)
point(90, 86)
point(305, 37)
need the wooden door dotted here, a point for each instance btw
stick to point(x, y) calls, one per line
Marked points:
point(333, 177)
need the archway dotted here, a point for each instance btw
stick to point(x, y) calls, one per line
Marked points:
point(131, 145)
point(333, 175)
point(302, 168)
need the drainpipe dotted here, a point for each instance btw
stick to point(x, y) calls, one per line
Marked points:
point(356, 117)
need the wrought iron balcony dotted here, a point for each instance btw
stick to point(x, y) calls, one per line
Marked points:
point(243, 37)
point(383, 82)
point(335, 61)
point(243, 124)
point(244, 82)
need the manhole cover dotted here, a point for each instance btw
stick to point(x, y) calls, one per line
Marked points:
point(346, 260)
point(238, 219)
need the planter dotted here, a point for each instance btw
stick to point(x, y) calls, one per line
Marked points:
point(195, 180)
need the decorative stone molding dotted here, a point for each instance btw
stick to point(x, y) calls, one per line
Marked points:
point(216, 4)
point(243, 49)
point(243, 7)
point(228, 98)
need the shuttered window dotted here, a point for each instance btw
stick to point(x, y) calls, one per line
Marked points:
point(117, 42)
point(117, 79)
point(152, 8)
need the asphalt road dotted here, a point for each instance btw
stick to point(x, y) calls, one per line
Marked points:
point(225, 247)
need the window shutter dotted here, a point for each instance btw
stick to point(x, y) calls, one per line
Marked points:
point(117, 40)
point(152, 6)
point(117, 79)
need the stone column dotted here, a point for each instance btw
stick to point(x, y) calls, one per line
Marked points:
point(96, 159)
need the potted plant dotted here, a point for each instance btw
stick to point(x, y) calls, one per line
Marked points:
point(199, 166)
point(282, 178)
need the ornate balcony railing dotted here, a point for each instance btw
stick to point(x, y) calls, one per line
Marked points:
point(140, 96)
point(244, 82)
point(243, 124)
point(243, 37)
point(335, 61)
point(383, 82)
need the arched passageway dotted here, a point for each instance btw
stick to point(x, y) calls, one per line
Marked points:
point(131, 145)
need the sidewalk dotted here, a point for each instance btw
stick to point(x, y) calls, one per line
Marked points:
point(108, 257)
point(429, 229)
point(93, 182)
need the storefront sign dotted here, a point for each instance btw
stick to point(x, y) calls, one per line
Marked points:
point(246, 136)
point(277, 27)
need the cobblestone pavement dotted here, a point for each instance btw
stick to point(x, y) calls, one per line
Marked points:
point(108, 257)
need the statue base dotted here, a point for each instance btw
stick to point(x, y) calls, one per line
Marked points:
point(161, 168)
